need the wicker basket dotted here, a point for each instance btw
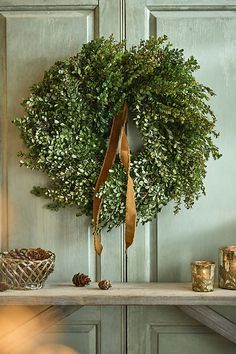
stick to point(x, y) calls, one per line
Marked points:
point(21, 271)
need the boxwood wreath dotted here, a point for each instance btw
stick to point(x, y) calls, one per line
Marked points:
point(68, 119)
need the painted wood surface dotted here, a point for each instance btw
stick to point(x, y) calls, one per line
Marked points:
point(33, 35)
point(212, 320)
point(120, 294)
point(165, 330)
point(209, 35)
point(52, 36)
point(44, 3)
point(83, 330)
point(211, 223)
point(205, 29)
point(13, 341)
point(3, 136)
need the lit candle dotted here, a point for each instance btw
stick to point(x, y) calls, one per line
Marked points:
point(203, 275)
point(227, 267)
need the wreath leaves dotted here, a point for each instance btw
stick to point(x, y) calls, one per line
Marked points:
point(68, 118)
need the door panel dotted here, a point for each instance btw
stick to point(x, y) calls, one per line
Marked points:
point(34, 41)
point(211, 223)
point(46, 4)
point(166, 330)
point(33, 35)
point(206, 31)
point(142, 255)
point(91, 330)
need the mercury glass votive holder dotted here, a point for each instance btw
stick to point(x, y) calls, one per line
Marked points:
point(203, 276)
point(227, 267)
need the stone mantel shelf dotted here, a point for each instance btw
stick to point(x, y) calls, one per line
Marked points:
point(61, 300)
point(119, 294)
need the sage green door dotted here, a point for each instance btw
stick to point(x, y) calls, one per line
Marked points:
point(164, 249)
point(33, 35)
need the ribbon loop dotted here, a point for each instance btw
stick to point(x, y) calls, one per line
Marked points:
point(117, 133)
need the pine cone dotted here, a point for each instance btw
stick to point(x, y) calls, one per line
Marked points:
point(32, 254)
point(81, 279)
point(105, 284)
point(37, 254)
point(3, 287)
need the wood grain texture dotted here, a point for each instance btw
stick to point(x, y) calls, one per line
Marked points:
point(119, 294)
point(213, 320)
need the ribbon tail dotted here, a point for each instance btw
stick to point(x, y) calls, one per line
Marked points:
point(130, 217)
point(97, 242)
point(96, 235)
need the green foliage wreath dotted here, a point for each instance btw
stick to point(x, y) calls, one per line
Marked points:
point(69, 116)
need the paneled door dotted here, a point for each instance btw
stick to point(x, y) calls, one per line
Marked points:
point(33, 35)
point(164, 249)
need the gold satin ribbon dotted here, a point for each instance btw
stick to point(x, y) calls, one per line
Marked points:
point(117, 133)
point(130, 216)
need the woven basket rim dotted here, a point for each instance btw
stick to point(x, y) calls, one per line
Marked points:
point(3, 255)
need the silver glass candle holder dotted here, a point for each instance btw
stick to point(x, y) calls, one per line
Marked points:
point(227, 267)
point(203, 276)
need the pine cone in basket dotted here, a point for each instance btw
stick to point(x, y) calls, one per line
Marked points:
point(81, 279)
point(105, 284)
point(3, 287)
point(32, 254)
point(37, 254)
point(17, 253)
